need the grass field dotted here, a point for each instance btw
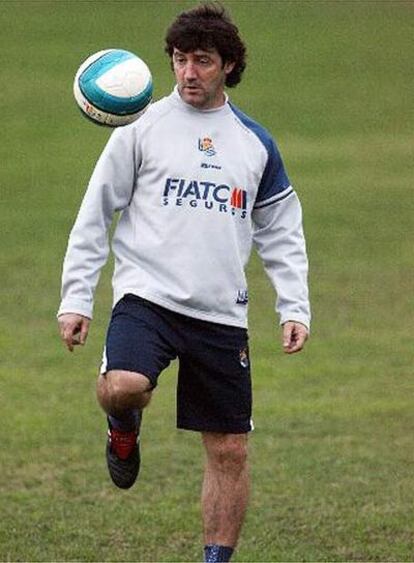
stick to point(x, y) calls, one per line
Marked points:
point(332, 454)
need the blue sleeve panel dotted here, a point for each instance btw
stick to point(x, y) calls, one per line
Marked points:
point(274, 179)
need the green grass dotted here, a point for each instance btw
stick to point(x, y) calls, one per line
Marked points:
point(332, 455)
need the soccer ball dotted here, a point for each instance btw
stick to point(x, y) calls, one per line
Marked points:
point(113, 87)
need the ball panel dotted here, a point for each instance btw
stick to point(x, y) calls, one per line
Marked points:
point(108, 59)
point(100, 117)
point(127, 79)
point(109, 91)
point(117, 105)
point(89, 61)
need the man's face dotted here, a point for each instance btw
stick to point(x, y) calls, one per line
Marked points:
point(200, 77)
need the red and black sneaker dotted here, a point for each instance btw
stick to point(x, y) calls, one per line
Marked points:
point(123, 457)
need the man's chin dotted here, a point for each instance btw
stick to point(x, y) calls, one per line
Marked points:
point(195, 97)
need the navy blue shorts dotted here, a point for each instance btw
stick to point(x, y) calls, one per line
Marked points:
point(214, 386)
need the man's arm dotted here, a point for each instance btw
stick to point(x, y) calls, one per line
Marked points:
point(278, 236)
point(110, 189)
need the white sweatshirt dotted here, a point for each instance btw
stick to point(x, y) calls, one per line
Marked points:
point(195, 189)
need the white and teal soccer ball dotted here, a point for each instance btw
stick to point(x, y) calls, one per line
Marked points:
point(113, 87)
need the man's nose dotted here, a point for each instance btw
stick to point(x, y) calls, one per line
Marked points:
point(190, 71)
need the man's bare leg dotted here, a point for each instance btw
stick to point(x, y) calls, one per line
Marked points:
point(225, 488)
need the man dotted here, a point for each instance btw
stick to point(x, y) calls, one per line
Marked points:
point(196, 182)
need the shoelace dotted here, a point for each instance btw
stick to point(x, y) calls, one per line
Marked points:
point(122, 443)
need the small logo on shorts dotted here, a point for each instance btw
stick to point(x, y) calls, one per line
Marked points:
point(244, 358)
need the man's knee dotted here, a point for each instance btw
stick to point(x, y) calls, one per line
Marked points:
point(118, 390)
point(226, 451)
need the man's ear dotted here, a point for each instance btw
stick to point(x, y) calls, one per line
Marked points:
point(228, 67)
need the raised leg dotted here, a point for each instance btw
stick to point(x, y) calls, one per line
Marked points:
point(123, 395)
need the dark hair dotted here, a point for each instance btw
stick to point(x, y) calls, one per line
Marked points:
point(209, 26)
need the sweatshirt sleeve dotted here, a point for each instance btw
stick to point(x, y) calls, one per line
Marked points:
point(110, 190)
point(279, 239)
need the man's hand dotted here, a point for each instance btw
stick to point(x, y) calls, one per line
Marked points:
point(73, 329)
point(294, 337)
